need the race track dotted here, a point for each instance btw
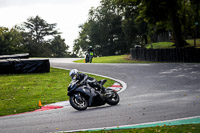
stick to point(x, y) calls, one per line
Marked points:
point(155, 92)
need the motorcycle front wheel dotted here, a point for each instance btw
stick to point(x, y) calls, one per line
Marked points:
point(90, 59)
point(78, 102)
point(113, 99)
point(86, 60)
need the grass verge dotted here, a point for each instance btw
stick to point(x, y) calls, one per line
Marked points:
point(21, 92)
point(190, 128)
point(113, 59)
point(162, 45)
point(191, 42)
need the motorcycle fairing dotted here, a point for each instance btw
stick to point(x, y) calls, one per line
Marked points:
point(90, 92)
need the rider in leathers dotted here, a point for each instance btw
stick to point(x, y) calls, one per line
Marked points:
point(83, 79)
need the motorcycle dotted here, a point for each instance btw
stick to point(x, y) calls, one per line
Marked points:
point(88, 57)
point(83, 96)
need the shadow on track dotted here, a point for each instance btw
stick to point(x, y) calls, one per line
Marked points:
point(96, 108)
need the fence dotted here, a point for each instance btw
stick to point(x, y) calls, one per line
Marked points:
point(166, 55)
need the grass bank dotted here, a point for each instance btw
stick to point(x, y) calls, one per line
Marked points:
point(190, 128)
point(21, 92)
point(161, 45)
point(112, 59)
point(191, 42)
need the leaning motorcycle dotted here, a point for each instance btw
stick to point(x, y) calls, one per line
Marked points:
point(83, 96)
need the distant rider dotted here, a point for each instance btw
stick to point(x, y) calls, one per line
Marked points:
point(90, 51)
point(85, 79)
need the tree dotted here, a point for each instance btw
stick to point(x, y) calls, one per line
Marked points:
point(35, 31)
point(117, 25)
point(58, 47)
point(135, 31)
point(153, 11)
point(11, 41)
point(103, 31)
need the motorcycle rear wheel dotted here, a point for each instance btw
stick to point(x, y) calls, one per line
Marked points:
point(79, 103)
point(114, 99)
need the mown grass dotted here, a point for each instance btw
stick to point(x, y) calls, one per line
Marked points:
point(191, 42)
point(190, 128)
point(112, 59)
point(161, 45)
point(21, 92)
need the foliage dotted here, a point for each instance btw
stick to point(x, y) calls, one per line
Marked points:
point(103, 31)
point(135, 31)
point(38, 29)
point(118, 25)
point(112, 28)
point(11, 41)
point(35, 31)
point(36, 36)
point(160, 11)
point(58, 47)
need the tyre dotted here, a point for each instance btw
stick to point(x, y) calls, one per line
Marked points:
point(91, 60)
point(78, 102)
point(113, 99)
point(86, 59)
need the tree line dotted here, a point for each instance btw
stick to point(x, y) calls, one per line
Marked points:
point(112, 28)
point(118, 25)
point(36, 37)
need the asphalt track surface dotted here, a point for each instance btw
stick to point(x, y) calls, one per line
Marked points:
point(155, 92)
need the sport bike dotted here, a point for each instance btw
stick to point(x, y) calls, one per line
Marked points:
point(83, 96)
point(88, 57)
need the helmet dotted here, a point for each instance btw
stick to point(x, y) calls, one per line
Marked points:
point(74, 74)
